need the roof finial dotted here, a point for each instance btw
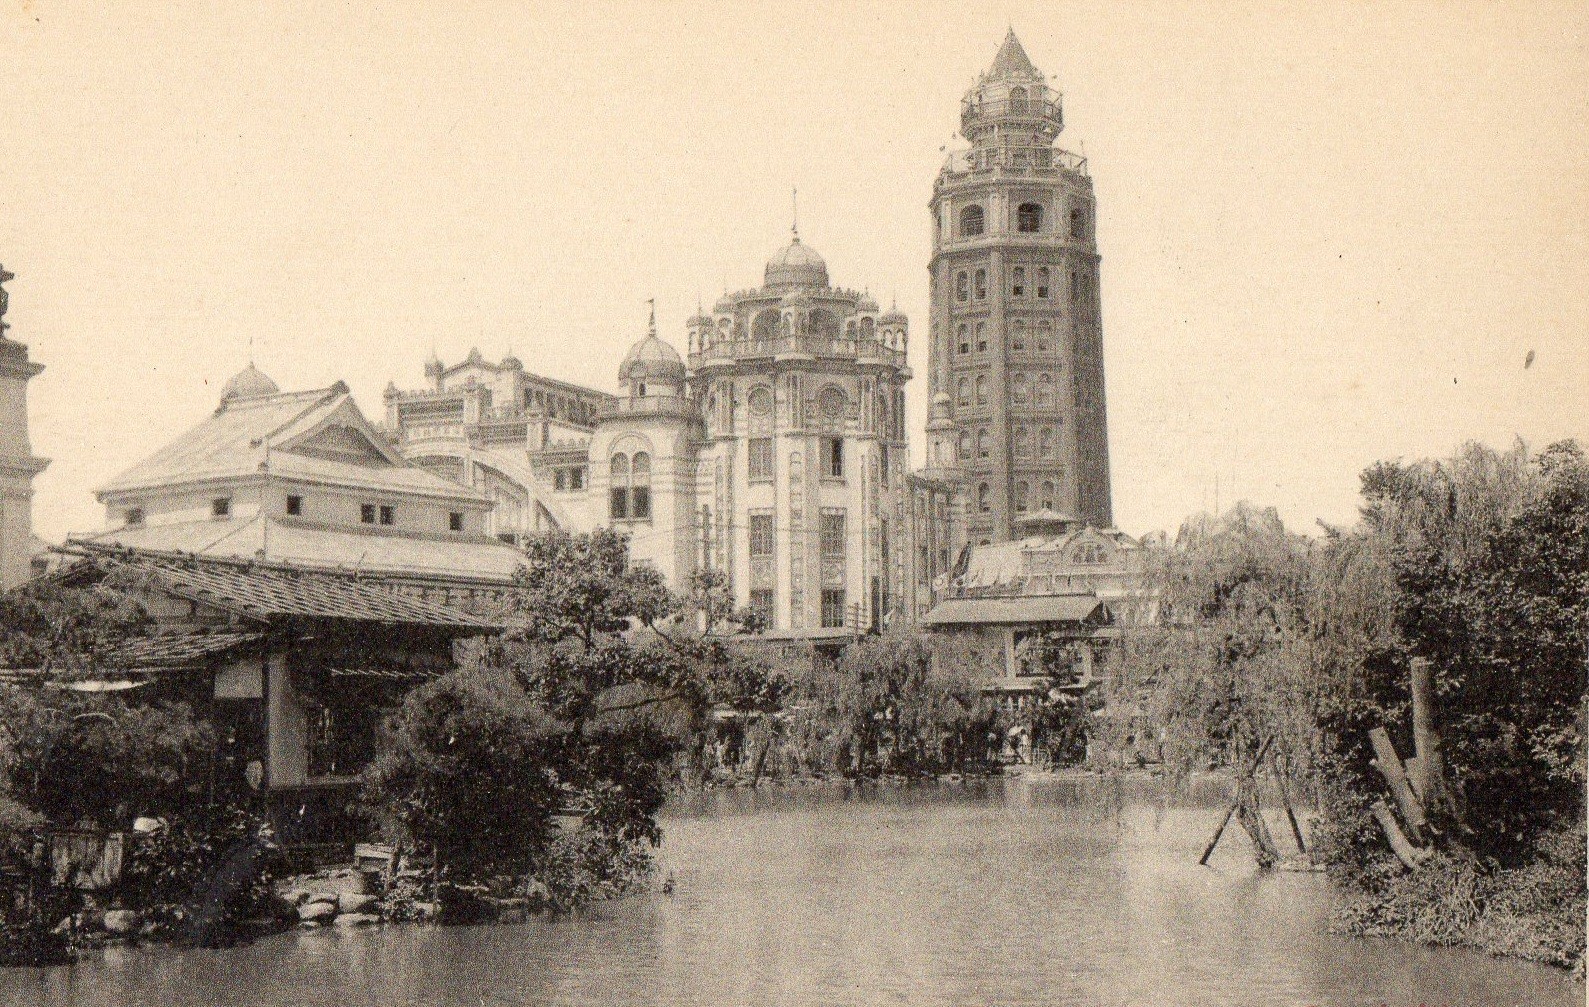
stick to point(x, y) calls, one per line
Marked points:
point(651, 328)
point(794, 203)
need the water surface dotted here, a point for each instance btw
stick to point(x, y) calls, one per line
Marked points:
point(1004, 893)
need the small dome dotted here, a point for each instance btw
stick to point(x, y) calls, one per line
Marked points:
point(893, 316)
point(796, 265)
point(866, 303)
point(513, 363)
point(248, 383)
point(651, 359)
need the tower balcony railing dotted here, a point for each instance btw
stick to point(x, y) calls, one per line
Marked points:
point(648, 405)
point(974, 112)
point(727, 350)
point(1028, 160)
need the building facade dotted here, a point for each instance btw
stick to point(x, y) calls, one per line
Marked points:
point(18, 465)
point(304, 478)
point(1016, 335)
point(776, 453)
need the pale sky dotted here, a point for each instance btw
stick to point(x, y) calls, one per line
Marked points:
point(1331, 233)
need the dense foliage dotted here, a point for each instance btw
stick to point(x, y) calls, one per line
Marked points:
point(543, 762)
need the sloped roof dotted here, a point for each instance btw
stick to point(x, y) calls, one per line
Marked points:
point(1006, 611)
point(326, 547)
point(264, 591)
point(250, 436)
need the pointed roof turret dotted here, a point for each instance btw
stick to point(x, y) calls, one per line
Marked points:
point(1012, 60)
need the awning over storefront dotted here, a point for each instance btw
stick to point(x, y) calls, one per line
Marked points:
point(1059, 608)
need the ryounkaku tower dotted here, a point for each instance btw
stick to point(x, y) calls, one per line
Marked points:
point(1016, 336)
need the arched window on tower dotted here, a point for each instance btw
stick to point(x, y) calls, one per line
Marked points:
point(963, 337)
point(1042, 282)
point(1022, 443)
point(1048, 495)
point(1045, 391)
point(1017, 336)
point(964, 446)
point(964, 390)
point(982, 443)
point(1078, 222)
point(1022, 492)
point(619, 468)
point(1045, 442)
point(1029, 218)
point(640, 487)
point(981, 284)
point(982, 389)
point(1045, 341)
point(984, 498)
point(1018, 100)
point(971, 221)
point(1018, 388)
point(1018, 281)
point(962, 286)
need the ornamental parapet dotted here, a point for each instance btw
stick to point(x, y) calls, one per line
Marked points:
point(861, 350)
point(651, 405)
point(1019, 162)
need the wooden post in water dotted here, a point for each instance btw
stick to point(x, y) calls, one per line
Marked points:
point(1208, 851)
point(1425, 735)
point(1285, 802)
point(1389, 765)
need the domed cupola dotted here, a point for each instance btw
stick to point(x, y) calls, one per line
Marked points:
point(796, 265)
point(652, 367)
point(248, 383)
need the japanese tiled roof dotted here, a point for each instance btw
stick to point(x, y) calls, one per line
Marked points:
point(166, 651)
point(252, 436)
point(266, 591)
point(325, 547)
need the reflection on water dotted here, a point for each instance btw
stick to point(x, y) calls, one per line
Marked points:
point(1004, 893)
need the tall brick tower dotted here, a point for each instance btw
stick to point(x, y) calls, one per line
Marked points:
point(1016, 335)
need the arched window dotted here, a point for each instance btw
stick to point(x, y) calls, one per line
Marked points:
point(765, 326)
point(1017, 336)
point(1029, 218)
point(1042, 282)
point(868, 328)
point(1018, 100)
point(1018, 388)
point(963, 336)
point(982, 443)
point(982, 337)
point(965, 446)
point(1078, 222)
point(1048, 495)
point(640, 487)
point(964, 388)
point(1045, 344)
point(984, 498)
point(620, 487)
point(981, 284)
point(982, 389)
point(1018, 281)
point(971, 221)
point(1045, 391)
point(1022, 491)
point(1045, 442)
point(1022, 442)
point(962, 286)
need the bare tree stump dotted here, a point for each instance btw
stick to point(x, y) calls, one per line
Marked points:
point(1389, 765)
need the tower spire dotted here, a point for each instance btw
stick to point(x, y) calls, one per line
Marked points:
point(651, 327)
point(794, 212)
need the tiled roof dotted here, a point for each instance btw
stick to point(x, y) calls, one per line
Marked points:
point(271, 590)
point(1011, 611)
point(169, 651)
point(247, 437)
point(328, 548)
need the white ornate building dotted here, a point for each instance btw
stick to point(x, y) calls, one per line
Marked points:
point(777, 455)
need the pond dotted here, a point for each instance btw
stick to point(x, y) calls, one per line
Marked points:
point(1023, 891)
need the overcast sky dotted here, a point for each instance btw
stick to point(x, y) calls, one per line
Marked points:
point(1330, 233)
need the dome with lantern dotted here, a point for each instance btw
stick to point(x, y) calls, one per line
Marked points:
point(796, 265)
